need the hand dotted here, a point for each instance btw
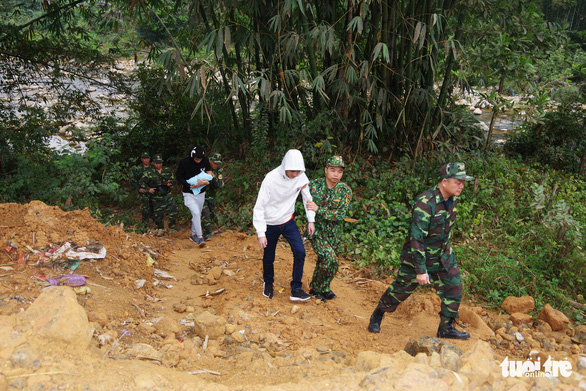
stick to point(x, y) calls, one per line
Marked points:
point(312, 206)
point(194, 185)
point(262, 242)
point(168, 183)
point(152, 190)
point(202, 182)
point(423, 279)
point(310, 228)
point(142, 191)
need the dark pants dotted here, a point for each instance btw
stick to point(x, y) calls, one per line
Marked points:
point(447, 284)
point(291, 234)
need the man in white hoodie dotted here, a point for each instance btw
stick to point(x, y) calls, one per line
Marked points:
point(273, 217)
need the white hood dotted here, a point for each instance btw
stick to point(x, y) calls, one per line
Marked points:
point(275, 203)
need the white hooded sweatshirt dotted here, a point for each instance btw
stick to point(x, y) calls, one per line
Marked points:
point(275, 203)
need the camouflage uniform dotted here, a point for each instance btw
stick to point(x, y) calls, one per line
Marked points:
point(162, 200)
point(207, 212)
point(135, 174)
point(333, 206)
point(427, 250)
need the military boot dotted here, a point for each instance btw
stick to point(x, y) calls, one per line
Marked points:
point(375, 319)
point(446, 329)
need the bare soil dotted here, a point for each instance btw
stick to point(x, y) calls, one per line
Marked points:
point(308, 340)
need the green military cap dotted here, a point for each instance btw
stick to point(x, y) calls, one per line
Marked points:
point(455, 170)
point(158, 158)
point(335, 161)
point(215, 158)
point(145, 155)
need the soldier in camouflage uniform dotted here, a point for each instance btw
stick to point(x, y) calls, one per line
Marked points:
point(158, 182)
point(135, 175)
point(207, 213)
point(331, 201)
point(427, 257)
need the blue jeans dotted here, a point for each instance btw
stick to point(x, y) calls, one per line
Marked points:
point(291, 234)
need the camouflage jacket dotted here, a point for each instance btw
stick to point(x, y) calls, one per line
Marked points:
point(135, 174)
point(216, 183)
point(430, 232)
point(152, 178)
point(333, 203)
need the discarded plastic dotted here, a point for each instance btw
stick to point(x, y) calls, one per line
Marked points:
point(68, 279)
point(163, 274)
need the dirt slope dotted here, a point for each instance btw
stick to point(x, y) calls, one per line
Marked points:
point(274, 342)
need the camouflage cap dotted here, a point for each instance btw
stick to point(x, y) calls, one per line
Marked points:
point(335, 161)
point(455, 170)
point(145, 155)
point(158, 158)
point(215, 158)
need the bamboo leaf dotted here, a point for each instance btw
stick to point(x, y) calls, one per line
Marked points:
point(227, 39)
point(417, 32)
point(219, 43)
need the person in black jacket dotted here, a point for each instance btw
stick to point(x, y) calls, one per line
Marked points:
point(189, 167)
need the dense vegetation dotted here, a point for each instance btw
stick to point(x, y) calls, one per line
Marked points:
point(374, 81)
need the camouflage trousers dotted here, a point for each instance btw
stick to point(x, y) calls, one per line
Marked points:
point(146, 210)
point(447, 284)
point(162, 205)
point(326, 265)
point(207, 217)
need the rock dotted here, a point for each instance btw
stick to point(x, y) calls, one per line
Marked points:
point(180, 308)
point(521, 304)
point(142, 351)
point(214, 273)
point(367, 361)
point(519, 337)
point(9, 338)
point(579, 334)
point(167, 327)
point(57, 315)
point(25, 358)
point(294, 309)
point(229, 328)
point(450, 359)
point(428, 345)
point(581, 364)
point(543, 327)
point(228, 272)
point(478, 362)
point(209, 324)
point(556, 319)
point(472, 319)
point(98, 317)
point(238, 336)
point(477, 111)
point(146, 329)
point(519, 318)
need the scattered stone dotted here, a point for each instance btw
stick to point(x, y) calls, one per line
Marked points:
point(478, 362)
point(522, 304)
point(294, 309)
point(238, 336)
point(98, 317)
point(209, 324)
point(581, 364)
point(556, 319)
point(214, 273)
point(519, 318)
point(450, 359)
point(25, 358)
point(579, 334)
point(428, 345)
point(56, 314)
point(543, 327)
point(229, 328)
point(143, 351)
point(167, 327)
point(367, 361)
point(472, 319)
point(180, 308)
point(229, 272)
point(519, 337)
point(146, 329)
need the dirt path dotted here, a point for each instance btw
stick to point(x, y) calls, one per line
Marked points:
point(273, 342)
